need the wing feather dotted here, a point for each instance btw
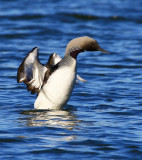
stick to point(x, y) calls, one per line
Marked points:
point(31, 72)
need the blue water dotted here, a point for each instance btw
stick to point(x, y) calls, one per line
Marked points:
point(103, 118)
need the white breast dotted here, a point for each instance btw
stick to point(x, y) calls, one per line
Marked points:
point(56, 92)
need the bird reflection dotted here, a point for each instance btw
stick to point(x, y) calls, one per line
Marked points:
point(59, 119)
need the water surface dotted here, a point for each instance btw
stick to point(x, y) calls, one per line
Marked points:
point(103, 118)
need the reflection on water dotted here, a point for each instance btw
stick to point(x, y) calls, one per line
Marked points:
point(58, 119)
point(55, 122)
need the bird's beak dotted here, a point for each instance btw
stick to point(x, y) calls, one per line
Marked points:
point(102, 50)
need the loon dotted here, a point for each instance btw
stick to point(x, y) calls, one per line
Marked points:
point(54, 81)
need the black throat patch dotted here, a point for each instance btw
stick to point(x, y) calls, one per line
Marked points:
point(74, 53)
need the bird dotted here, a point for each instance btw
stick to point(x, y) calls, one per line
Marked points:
point(54, 81)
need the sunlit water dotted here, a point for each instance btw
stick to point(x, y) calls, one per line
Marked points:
point(103, 118)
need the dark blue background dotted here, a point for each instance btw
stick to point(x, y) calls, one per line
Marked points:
point(103, 118)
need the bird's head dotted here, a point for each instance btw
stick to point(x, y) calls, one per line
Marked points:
point(82, 44)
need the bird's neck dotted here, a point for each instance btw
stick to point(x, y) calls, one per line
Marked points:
point(68, 61)
point(74, 54)
point(74, 51)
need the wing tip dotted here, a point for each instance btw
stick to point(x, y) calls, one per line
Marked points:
point(35, 48)
point(81, 79)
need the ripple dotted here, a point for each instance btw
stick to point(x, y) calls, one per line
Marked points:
point(103, 117)
point(87, 17)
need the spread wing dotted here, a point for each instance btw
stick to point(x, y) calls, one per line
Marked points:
point(34, 74)
point(31, 72)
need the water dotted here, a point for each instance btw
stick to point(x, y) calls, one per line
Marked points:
point(103, 118)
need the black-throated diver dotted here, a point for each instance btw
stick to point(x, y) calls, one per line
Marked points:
point(54, 81)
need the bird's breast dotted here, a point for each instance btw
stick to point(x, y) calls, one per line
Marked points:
point(60, 82)
point(56, 92)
